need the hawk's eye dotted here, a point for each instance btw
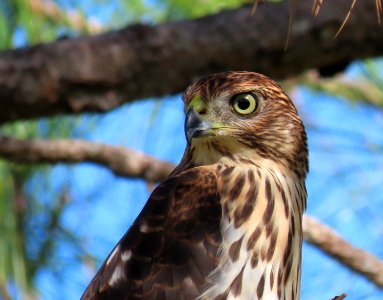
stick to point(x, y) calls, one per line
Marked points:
point(245, 103)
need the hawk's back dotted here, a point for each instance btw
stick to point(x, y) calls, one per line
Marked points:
point(172, 246)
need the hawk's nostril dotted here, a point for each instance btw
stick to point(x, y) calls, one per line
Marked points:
point(198, 105)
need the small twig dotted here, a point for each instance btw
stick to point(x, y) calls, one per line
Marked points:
point(331, 243)
point(340, 297)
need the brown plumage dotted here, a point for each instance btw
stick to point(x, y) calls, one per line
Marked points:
point(226, 224)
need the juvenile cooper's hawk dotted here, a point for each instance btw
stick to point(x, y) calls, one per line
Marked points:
point(226, 224)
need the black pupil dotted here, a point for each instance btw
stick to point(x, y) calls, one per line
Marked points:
point(243, 103)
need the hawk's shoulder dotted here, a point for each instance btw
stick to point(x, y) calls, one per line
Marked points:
point(171, 247)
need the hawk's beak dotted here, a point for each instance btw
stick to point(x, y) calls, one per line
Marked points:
point(195, 126)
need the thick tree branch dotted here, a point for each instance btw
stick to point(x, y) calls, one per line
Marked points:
point(332, 244)
point(130, 163)
point(101, 72)
point(120, 160)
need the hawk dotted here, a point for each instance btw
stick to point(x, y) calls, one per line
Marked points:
point(227, 223)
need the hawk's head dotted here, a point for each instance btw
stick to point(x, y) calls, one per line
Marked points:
point(245, 114)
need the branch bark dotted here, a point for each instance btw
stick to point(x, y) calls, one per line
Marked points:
point(99, 73)
point(130, 163)
point(332, 244)
point(120, 160)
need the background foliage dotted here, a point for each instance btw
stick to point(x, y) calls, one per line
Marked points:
point(50, 216)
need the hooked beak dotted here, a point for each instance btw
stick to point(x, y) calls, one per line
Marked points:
point(194, 126)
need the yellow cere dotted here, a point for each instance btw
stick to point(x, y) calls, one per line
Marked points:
point(197, 104)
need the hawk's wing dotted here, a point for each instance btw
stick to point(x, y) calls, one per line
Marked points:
point(170, 248)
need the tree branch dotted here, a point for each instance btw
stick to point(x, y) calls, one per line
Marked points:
point(101, 72)
point(120, 160)
point(130, 163)
point(332, 244)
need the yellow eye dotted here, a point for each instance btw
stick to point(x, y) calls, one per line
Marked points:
point(245, 103)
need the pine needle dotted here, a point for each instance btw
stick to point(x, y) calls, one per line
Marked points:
point(346, 19)
point(317, 4)
point(316, 7)
point(379, 10)
point(293, 7)
point(255, 5)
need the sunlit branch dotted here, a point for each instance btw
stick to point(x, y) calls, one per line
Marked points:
point(120, 160)
point(332, 244)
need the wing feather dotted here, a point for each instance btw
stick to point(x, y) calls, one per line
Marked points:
point(171, 247)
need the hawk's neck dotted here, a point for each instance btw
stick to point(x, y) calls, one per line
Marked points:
point(260, 256)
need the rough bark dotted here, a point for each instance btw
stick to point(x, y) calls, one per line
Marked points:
point(129, 163)
point(101, 72)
